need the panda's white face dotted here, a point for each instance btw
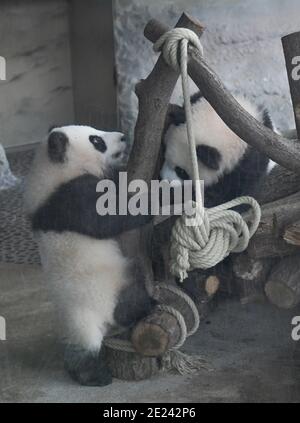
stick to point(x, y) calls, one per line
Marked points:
point(69, 152)
point(218, 148)
point(86, 149)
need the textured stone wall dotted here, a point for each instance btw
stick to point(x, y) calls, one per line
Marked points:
point(242, 44)
point(38, 90)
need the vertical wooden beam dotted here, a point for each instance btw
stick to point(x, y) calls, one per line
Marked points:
point(93, 63)
point(291, 47)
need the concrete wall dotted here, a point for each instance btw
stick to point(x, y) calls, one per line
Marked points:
point(91, 24)
point(242, 44)
point(34, 39)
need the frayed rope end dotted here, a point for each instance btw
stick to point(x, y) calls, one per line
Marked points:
point(183, 363)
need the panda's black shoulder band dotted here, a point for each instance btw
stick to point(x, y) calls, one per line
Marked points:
point(72, 207)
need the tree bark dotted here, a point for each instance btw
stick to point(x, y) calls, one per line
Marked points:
point(283, 285)
point(131, 366)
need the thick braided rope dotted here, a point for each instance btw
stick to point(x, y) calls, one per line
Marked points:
point(211, 234)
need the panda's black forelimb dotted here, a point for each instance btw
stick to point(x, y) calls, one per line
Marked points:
point(72, 207)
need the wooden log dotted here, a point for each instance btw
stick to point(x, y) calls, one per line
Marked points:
point(279, 183)
point(283, 151)
point(250, 276)
point(156, 334)
point(283, 285)
point(292, 234)
point(291, 48)
point(131, 366)
point(160, 330)
point(268, 241)
point(201, 286)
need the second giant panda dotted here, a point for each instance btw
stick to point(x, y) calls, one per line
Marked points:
point(228, 166)
point(88, 274)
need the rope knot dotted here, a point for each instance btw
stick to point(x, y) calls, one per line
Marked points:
point(211, 236)
point(174, 41)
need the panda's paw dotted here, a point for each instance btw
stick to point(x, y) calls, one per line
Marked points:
point(87, 368)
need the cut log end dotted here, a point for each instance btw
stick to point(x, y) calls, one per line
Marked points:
point(281, 295)
point(212, 284)
point(150, 339)
point(282, 287)
point(156, 334)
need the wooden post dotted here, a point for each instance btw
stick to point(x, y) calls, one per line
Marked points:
point(291, 48)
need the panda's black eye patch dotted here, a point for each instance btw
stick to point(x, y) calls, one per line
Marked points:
point(98, 143)
point(181, 173)
point(209, 156)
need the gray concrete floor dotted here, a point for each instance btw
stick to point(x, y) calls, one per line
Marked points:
point(250, 348)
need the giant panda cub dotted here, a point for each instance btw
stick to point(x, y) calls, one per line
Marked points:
point(88, 275)
point(228, 166)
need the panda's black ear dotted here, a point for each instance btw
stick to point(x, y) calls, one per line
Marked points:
point(209, 156)
point(57, 146)
point(175, 115)
point(197, 96)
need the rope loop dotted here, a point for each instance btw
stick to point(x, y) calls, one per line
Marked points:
point(204, 240)
point(170, 43)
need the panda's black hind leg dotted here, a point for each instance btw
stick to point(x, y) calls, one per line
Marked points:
point(87, 368)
